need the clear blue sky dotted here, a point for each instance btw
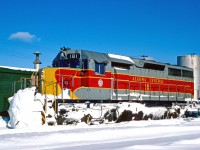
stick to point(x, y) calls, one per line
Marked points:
point(162, 29)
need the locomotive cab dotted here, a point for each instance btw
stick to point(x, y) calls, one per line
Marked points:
point(81, 73)
point(68, 59)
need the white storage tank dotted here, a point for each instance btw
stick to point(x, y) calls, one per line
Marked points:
point(192, 61)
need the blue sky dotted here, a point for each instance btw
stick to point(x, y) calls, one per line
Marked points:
point(161, 29)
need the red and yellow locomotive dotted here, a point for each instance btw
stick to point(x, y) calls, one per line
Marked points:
point(85, 75)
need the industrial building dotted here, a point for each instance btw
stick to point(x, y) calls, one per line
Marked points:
point(192, 61)
point(11, 80)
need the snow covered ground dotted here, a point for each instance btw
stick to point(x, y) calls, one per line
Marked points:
point(25, 129)
point(170, 134)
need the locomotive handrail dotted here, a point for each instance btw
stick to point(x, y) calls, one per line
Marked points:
point(14, 84)
point(62, 80)
point(116, 86)
point(63, 75)
point(20, 81)
point(62, 85)
point(45, 108)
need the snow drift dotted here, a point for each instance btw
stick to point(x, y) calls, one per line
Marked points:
point(24, 111)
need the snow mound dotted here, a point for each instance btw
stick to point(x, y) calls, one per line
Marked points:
point(24, 111)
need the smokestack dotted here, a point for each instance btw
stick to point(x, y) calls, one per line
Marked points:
point(37, 62)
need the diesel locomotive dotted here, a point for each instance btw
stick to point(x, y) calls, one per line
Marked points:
point(81, 75)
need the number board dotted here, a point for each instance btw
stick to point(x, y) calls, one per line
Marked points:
point(73, 56)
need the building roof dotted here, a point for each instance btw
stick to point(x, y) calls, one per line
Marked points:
point(20, 69)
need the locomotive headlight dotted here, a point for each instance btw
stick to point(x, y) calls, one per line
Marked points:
point(62, 55)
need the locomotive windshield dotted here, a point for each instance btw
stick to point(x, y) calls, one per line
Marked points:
point(72, 60)
point(67, 63)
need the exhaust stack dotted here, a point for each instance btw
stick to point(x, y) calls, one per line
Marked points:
point(37, 62)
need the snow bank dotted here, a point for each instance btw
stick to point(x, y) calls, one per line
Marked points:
point(24, 111)
point(2, 122)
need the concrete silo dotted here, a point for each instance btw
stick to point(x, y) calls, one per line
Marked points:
point(192, 61)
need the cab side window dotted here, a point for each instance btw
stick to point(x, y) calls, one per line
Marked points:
point(84, 64)
point(99, 68)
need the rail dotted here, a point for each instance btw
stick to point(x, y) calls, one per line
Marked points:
point(171, 92)
point(23, 84)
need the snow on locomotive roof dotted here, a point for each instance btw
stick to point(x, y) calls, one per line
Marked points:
point(16, 68)
point(121, 57)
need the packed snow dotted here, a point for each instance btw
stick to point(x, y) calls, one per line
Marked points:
point(26, 130)
point(169, 134)
point(121, 57)
point(23, 110)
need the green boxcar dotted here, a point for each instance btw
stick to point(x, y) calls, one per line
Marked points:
point(11, 80)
